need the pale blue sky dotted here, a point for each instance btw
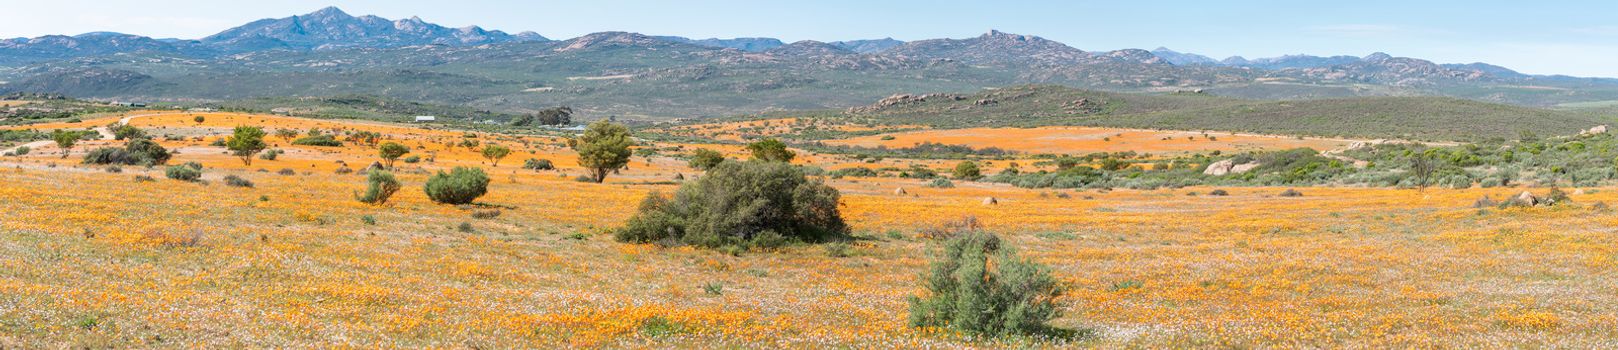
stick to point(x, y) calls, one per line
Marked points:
point(1541, 37)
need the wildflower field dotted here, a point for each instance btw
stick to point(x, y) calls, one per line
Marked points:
point(95, 258)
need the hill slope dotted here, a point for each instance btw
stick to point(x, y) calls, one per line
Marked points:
point(1418, 118)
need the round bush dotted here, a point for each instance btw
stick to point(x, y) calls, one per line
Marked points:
point(380, 185)
point(183, 173)
point(741, 203)
point(461, 185)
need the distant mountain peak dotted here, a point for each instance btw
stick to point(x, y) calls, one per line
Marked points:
point(331, 28)
point(995, 48)
point(328, 11)
point(999, 35)
point(603, 40)
point(1181, 58)
point(1378, 57)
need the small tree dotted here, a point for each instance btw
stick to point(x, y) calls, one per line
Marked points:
point(555, 116)
point(771, 150)
point(391, 151)
point(603, 148)
point(65, 140)
point(380, 185)
point(1422, 167)
point(246, 142)
point(286, 135)
point(494, 152)
point(967, 170)
point(978, 285)
point(704, 159)
point(461, 185)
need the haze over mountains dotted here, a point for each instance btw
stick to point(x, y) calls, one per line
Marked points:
point(329, 52)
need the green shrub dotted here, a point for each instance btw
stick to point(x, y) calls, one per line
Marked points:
point(978, 285)
point(368, 220)
point(771, 150)
point(1218, 192)
point(127, 132)
point(737, 203)
point(538, 164)
point(270, 154)
point(917, 171)
point(237, 181)
point(704, 159)
point(941, 183)
point(147, 152)
point(136, 152)
point(108, 155)
point(854, 171)
point(967, 170)
point(380, 185)
point(412, 159)
point(287, 172)
point(838, 250)
point(183, 173)
point(1291, 193)
point(22, 151)
point(318, 140)
point(461, 185)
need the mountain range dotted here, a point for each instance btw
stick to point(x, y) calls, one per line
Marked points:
point(329, 52)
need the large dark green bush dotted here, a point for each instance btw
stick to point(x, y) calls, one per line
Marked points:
point(148, 152)
point(978, 285)
point(108, 155)
point(740, 203)
point(137, 152)
point(461, 185)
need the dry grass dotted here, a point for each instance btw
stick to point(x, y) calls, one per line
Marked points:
point(92, 259)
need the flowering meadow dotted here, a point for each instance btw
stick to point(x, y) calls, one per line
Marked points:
point(95, 258)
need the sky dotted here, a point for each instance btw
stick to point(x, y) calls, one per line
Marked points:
point(1578, 38)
